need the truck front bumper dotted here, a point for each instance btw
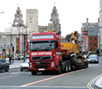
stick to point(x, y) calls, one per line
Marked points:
point(43, 67)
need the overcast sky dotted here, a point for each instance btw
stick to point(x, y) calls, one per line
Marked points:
point(72, 13)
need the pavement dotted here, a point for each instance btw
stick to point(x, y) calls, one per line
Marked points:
point(17, 64)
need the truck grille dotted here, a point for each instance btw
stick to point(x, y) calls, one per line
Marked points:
point(41, 65)
point(41, 58)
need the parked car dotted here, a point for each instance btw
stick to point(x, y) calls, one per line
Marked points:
point(4, 65)
point(27, 56)
point(24, 65)
point(19, 57)
point(93, 59)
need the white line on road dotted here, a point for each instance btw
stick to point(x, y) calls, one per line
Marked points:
point(16, 72)
point(46, 79)
point(61, 87)
point(9, 77)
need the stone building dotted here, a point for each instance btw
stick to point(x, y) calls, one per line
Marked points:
point(32, 21)
point(54, 22)
point(15, 36)
point(21, 35)
point(55, 25)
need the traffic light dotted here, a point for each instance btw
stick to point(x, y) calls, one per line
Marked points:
point(13, 48)
point(3, 50)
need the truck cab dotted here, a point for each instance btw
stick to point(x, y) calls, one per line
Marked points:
point(44, 52)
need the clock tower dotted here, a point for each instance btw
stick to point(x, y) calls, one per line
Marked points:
point(18, 22)
point(55, 25)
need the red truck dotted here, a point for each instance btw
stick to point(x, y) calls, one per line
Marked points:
point(45, 54)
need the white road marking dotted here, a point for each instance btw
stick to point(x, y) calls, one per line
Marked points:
point(9, 77)
point(46, 79)
point(89, 85)
point(16, 72)
point(61, 87)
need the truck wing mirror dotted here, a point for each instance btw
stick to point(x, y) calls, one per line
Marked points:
point(58, 48)
point(26, 46)
point(58, 44)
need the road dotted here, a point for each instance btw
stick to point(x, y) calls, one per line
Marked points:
point(78, 79)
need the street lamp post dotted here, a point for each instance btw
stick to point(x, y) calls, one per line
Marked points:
point(25, 39)
point(11, 45)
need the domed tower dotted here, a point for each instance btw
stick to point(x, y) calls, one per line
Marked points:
point(55, 25)
point(18, 19)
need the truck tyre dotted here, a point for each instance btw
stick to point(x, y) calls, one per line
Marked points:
point(33, 72)
point(86, 65)
point(66, 68)
point(69, 67)
point(59, 69)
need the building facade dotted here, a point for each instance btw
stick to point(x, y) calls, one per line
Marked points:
point(55, 25)
point(54, 22)
point(89, 36)
point(19, 28)
point(15, 36)
point(32, 21)
point(100, 25)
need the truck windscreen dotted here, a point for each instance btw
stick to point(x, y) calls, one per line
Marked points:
point(42, 45)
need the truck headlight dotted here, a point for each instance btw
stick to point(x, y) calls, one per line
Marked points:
point(52, 64)
point(30, 65)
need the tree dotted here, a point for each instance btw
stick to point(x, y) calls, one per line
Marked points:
point(97, 51)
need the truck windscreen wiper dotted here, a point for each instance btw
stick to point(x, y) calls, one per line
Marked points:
point(47, 48)
point(35, 49)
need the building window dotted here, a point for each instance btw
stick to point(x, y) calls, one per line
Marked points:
point(30, 21)
point(90, 43)
point(91, 38)
point(95, 38)
point(17, 12)
point(94, 43)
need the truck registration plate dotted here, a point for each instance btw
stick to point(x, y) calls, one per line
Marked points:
point(42, 69)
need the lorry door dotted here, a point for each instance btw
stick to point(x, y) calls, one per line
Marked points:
point(58, 51)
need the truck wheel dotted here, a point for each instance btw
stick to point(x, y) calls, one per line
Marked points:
point(86, 65)
point(69, 67)
point(59, 69)
point(33, 72)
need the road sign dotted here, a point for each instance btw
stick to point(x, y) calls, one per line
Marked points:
point(1, 47)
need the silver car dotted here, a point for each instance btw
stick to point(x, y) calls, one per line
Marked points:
point(24, 65)
point(93, 59)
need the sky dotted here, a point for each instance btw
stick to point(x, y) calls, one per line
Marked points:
point(72, 13)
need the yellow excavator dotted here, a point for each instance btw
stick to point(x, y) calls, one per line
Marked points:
point(71, 43)
point(70, 46)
